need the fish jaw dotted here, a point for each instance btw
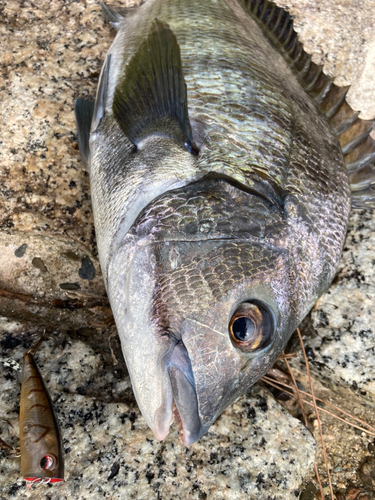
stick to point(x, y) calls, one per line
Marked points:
point(161, 373)
point(220, 372)
point(184, 394)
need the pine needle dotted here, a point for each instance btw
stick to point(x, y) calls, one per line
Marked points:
point(294, 391)
point(297, 390)
point(319, 481)
point(290, 355)
point(283, 387)
point(341, 411)
point(317, 416)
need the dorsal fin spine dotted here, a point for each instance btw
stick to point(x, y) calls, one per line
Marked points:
point(322, 93)
point(298, 53)
point(364, 161)
point(350, 146)
point(257, 5)
point(291, 41)
point(345, 125)
point(264, 10)
point(306, 66)
point(299, 58)
point(287, 33)
point(315, 79)
point(336, 106)
point(271, 15)
point(277, 22)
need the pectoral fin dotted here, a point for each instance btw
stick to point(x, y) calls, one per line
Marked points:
point(151, 97)
point(114, 17)
point(84, 110)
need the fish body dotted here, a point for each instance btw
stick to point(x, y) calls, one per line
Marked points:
point(221, 200)
point(40, 441)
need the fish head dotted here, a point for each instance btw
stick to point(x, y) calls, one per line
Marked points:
point(201, 316)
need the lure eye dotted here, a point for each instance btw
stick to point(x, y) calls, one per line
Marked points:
point(48, 462)
point(251, 327)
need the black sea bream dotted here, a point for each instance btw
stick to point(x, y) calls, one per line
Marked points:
point(218, 156)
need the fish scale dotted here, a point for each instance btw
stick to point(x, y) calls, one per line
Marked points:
point(217, 161)
point(251, 215)
point(253, 82)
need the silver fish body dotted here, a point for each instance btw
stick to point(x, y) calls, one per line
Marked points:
point(250, 215)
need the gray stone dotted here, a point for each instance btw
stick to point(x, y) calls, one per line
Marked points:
point(50, 55)
point(255, 449)
point(340, 35)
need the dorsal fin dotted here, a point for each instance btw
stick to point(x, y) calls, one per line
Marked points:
point(151, 97)
point(354, 134)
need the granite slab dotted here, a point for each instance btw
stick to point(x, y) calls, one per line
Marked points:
point(255, 450)
point(52, 53)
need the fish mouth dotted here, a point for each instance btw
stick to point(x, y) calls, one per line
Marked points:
point(184, 401)
point(161, 374)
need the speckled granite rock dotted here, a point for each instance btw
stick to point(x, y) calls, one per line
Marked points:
point(340, 35)
point(344, 317)
point(255, 450)
point(52, 52)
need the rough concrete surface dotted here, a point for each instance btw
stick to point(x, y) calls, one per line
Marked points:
point(51, 53)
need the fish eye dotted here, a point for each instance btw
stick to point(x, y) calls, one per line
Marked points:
point(48, 462)
point(252, 326)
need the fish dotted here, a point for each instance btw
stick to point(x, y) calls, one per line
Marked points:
point(223, 167)
point(40, 440)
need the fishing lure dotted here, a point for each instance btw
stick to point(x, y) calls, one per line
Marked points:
point(40, 441)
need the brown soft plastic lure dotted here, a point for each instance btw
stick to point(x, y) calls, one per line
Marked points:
point(40, 442)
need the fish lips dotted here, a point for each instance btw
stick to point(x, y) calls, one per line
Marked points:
point(159, 365)
point(180, 398)
point(184, 394)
